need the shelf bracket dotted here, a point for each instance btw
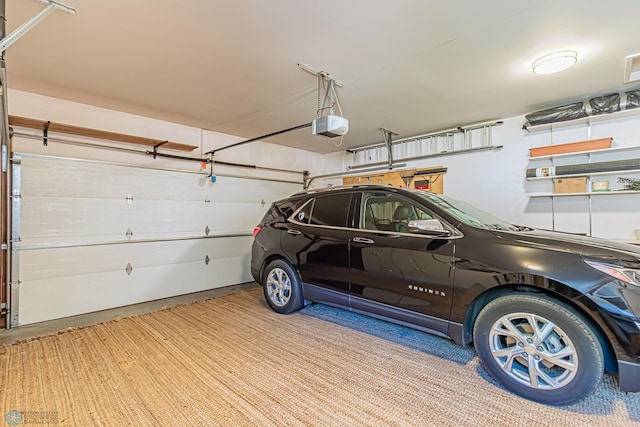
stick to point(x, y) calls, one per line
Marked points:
point(155, 148)
point(388, 140)
point(45, 133)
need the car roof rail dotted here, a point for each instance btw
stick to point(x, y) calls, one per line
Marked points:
point(342, 187)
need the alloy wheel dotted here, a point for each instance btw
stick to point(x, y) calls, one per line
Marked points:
point(533, 351)
point(278, 287)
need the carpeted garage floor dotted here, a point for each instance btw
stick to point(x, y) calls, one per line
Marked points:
point(232, 361)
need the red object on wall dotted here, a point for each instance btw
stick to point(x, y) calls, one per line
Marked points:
point(421, 185)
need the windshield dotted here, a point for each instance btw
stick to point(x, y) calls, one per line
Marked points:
point(466, 213)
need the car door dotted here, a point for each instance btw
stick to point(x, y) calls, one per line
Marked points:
point(316, 241)
point(398, 272)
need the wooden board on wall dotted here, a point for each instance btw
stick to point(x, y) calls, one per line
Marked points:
point(95, 133)
point(433, 182)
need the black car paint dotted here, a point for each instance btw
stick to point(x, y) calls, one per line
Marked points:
point(439, 283)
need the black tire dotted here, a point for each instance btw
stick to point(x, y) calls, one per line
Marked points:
point(508, 346)
point(282, 288)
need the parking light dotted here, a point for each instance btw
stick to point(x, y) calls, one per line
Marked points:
point(626, 275)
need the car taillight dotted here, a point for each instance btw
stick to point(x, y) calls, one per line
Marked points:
point(256, 230)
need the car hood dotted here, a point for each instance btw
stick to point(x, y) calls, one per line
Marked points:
point(588, 247)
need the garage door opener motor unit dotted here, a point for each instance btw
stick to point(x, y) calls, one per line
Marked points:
point(330, 126)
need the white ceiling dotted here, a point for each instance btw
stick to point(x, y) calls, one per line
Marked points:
point(410, 66)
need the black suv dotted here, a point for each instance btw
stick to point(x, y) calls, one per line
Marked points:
point(547, 312)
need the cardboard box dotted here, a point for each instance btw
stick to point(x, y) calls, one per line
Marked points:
point(570, 185)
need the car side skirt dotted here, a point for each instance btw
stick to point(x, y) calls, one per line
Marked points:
point(628, 376)
point(418, 321)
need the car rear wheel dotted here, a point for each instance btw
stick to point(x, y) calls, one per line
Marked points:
point(282, 288)
point(539, 348)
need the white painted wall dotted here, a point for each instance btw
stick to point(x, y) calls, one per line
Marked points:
point(495, 180)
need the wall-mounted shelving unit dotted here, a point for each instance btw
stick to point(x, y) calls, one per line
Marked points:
point(589, 175)
point(589, 156)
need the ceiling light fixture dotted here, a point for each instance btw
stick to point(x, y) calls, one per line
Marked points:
point(555, 62)
point(632, 68)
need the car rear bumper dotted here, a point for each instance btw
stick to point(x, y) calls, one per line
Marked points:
point(255, 272)
point(628, 376)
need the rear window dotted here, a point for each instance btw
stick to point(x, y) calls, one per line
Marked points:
point(285, 208)
point(330, 210)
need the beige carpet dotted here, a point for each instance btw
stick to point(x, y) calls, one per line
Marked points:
point(231, 361)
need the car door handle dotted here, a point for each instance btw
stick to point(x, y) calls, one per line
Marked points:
point(362, 240)
point(294, 232)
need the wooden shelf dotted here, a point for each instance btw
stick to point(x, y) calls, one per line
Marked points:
point(571, 147)
point(577, 153)
point(95, 133)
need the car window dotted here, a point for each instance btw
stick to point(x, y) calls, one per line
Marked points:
point(286, 207)
point(466, 213)
point(304, 214)
point(329, 210)
point(389, 212)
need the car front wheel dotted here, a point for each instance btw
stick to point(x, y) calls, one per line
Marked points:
point(282, 288)
point(539, 348)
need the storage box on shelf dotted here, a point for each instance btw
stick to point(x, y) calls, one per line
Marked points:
point(570, 185)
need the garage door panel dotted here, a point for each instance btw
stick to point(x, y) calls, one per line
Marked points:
point(87, 179)
point(235, 217)
point(61, 179)
point(74, 248)
point(229, 270)
point(228, 247)
point(104, 290)
point(251, 191)
point(53, 263)
point(167, 185)
point(67, 220)
point(108, 289)
point(62, 219)
point(167, 218)
point(234, 190)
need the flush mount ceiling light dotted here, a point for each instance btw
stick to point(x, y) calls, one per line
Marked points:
point(555, 62)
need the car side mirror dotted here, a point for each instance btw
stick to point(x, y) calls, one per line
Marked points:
point(428, 226)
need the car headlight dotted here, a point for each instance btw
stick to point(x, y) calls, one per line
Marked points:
point(627, 275)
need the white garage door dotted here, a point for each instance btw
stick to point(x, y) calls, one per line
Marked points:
point(97, 235)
